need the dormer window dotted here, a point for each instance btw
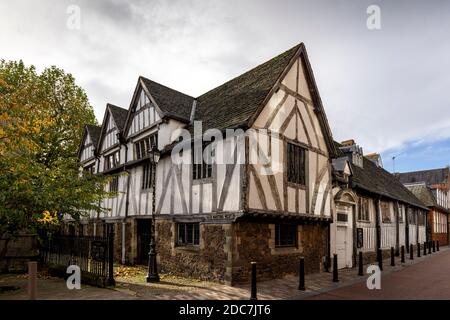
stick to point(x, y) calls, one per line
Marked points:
point(142, 147)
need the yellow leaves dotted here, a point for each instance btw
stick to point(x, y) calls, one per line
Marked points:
point(48, 218)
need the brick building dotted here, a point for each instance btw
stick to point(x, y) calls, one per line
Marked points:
point(432, 187)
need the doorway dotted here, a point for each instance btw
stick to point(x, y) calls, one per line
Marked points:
point(341, 246)
point(143, 240)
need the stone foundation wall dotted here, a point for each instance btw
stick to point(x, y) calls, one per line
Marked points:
point(206, 261)
point(256, 242)
point(15, 254)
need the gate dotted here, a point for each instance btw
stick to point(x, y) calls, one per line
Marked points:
point(93, 254)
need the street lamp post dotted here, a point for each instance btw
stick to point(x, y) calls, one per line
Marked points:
point(152, 275)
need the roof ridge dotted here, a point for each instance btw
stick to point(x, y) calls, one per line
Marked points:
point(250, 70)
point(166, 87)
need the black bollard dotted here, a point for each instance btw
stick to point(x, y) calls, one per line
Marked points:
point(411, 252)
point(335, 268)
point(425, 248)
point(429, 247)
point(418, 250)
point(253, 292)
point(360, 265)
point(380, 259)
point(301, 275)
point(403, 254)
point(434, 246)
point(437, 245)
point(392, 257)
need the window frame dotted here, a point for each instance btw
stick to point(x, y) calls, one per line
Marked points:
point(364, 203)
point(111, 160)
point(147, 177)
point(142, 145)
point(201, 171)
point(182, 229)
point(385, 211)
point(292, 162)
point(281, 236)
point(114, 184)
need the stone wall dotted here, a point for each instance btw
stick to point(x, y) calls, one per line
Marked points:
point(15, 254)
point(256, 242)
point(206, 261)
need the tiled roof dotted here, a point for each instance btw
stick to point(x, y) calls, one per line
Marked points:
point(94, 133)
point(377, 180)
point(430, 177)
point(235, 101)
point(119, 114)
point(423, 193)
point(171, 102)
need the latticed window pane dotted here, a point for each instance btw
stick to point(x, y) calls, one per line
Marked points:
point(295, 164)
point(142, 147)
point(188, 234)
point(147, 176)
point(200, 169)
point(285, 235)
point(114, 185)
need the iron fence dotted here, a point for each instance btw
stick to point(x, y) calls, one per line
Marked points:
point(93, 254)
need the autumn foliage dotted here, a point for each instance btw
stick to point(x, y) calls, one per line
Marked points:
point(42, 117)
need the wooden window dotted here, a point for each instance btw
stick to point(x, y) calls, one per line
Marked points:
point(401, 213)
point(188, 234)
point(363, 213)
point(285, 235)
point(411, 216)
point(147, 176)
point(143, 146)
point(114, 185)
point(112, 160)
point(385, 212)
point(342, 212)
point(200, 169)
point(420, 218)
point(295, 164)
point(89, 169)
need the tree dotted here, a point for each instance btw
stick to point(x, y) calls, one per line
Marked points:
point(42, 118)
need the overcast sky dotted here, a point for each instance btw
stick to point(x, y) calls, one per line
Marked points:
point(388, 89)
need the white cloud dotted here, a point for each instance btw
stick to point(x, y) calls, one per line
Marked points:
point(384, 88)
